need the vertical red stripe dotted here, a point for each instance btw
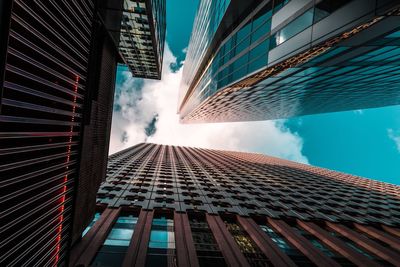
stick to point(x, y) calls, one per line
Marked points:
point(61, 218)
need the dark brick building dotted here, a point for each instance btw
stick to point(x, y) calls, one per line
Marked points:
point(178, 206)
point(58, 63)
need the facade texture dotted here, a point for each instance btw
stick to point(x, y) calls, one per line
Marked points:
point(142, 37)
point(178, 206)
point(44, 91)
point(270, 59)
point(58, 63)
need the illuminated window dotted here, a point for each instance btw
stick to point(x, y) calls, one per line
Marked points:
point(246, 245)
point(207, 250)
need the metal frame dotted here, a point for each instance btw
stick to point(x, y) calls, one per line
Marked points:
point(5, 20)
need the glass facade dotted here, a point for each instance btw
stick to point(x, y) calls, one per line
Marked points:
point(96, 217)
point(161, 250)
point(114, 248)
point(211, 191)
point(142, 37)
point(288, 59)
point(208, 17)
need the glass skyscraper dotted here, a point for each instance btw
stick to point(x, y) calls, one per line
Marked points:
point(180, 206)
point(258, 60)
point(142, 37)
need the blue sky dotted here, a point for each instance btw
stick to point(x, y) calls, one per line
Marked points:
point(359, 142)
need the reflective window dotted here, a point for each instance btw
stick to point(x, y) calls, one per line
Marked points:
point(358, 248)
point(293, 28)
point(96, 217)
point(161, 250)
point(294, 254)
point(323, 248)
point(278, 4)
point(258, 56)
point(113, 251)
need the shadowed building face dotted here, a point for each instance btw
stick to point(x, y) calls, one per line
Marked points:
point(263, 60)
point(201, 207)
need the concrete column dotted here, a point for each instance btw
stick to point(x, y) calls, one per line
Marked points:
point(229, 249)
point(367, 244)
point(185, 249)
point(384, 237)
point(137, 250)
point(265, 243)
point(337, 245)
point(95, 238)
point(391, 230)
point(302, 244)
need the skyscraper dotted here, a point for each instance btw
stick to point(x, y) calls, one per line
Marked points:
point(178, 206)
point(142, 37)
point(58, 64)
point(259, 60)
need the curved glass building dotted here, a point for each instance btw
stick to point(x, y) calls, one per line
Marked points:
point(260, 60)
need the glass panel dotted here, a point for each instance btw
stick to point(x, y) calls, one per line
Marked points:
point(96, 217)
point(259, 56)
point(247, 246)
point(113, 251)
point(207, 250)
point(327, 7)
point(299, 258)
point(293, 28)
point(120, 234)
point(358, 248)
point(162, 242)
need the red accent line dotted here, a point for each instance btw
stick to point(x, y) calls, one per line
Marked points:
point(61, 218)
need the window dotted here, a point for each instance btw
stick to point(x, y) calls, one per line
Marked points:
point(294, 254)
point(207, 250)
point(357, 247)
point(246, 245)
point(293, 28)
point(327, 7)
point(113, 251)
point(161, 250)
point(96, 217)
point(278, 4)
point(323, 248)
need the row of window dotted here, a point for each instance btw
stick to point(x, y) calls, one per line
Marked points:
point(228, 66)
point(162, 252)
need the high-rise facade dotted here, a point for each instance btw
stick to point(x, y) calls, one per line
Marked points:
point(258, 60)
point(177, 206)
point(142, 37)
point(58, 64)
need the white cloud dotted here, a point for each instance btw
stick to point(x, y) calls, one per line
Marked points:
point(160, 97)
point(395, 137)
